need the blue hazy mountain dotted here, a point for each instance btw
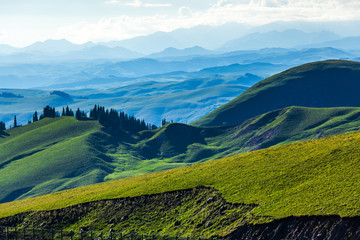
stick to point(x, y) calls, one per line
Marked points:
point(6, 49)
point(248, 70)
point(186, 52)
point(341, 28)
point(101, 52)
point(348, 43)
point(209, 37)
point(113, 72)
point(213, 37)
point(62, 50)
point(289, 38)
point(53, 46)
point(186, 101)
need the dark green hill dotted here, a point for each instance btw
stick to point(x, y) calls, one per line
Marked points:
point(332, 83)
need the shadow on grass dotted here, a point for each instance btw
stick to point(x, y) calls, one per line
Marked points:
point(3, 134)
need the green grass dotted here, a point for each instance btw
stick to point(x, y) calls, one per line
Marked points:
point(48, 156)
point(317, 177)
point(198, 212)
point(56, 154)
point(179, 144)
point(331, 83)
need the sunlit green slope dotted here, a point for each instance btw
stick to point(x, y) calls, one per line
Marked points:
point(51, 155)
point(317, 177)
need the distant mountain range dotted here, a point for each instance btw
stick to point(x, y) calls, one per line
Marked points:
point(227, 37)
point(286, 39)
point(348, 43)
point(108, 73)
point(186, 101)
point(187, 52)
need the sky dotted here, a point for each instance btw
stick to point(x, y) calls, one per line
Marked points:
point(23, 22)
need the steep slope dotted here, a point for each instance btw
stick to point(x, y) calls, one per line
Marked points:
point(332, 83)
point(51, 155)
point(317, 177)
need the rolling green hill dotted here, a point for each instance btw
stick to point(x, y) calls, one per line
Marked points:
point(51, 155)
point(332, 83)
point(56, 154)
point(317, 177)
point(180, 143)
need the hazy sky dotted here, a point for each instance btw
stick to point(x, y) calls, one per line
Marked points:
point(23, 22)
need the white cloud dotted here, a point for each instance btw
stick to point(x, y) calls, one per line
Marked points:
point(116, 28)
point(185, 12)
point(138, 3)
point(112, 2)
point(254, 12)
point(265, 11)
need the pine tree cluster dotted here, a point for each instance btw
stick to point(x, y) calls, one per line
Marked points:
point(49, 112)
point(115, 121)
point(67, 112)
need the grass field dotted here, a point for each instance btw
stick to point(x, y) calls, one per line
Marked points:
point(317, 177)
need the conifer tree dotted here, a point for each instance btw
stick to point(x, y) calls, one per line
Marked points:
point(35, 117)
point(15, 122)
point(78, 114)
point(49, 112)
point(2, 126)
point(69, 112)
point(163, 122)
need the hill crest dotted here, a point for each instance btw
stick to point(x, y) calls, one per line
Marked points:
point(331, 83)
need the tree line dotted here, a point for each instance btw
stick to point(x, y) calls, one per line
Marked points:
point(114, 122)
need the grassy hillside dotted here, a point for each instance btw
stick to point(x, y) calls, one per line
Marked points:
point(56, 154)
point(317, 177)
point(51, 155)
point(177, 145)
point(332, 83)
